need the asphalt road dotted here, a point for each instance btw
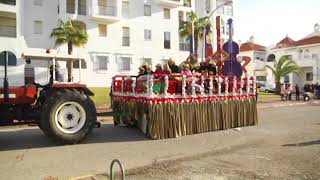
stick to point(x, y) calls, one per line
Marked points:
point(27, 154)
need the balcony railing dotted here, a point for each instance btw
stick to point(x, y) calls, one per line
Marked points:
point(8, 31)
point(107, 10)
point(10, 2)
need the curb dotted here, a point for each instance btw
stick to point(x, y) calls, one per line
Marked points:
point(290, 104)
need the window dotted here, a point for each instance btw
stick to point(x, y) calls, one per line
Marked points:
point(10, 2)
point(125, 36)
point(187, 3)
point(147, 61)
point(12, 60)
point(37, 29)
point(208, 6)
point(8, 27)
point(184, 45)
point(37, 2)
point(228, 10)
point(147, 10)
point(71, 4)
point(261, 78)
point(82, 7)
point(102, 30)
point(286, 79)
point(103, 62)
point(188, 16)
point(167, 40)
point(166, 13)
point(306, 53)
point(147, 35)
point(309, 76)
point(83, 64)
point(315, 56)
point(181, 15)
point(125, 64)
point(125, 9)
point(271, 58)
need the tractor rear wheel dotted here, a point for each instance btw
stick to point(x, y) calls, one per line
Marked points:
point(67, 116)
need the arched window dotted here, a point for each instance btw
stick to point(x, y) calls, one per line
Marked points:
point(12, 59)
point(271, 58)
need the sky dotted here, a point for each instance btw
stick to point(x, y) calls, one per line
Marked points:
point(269, 21)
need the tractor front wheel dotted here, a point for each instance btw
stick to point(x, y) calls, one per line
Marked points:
point(68, 116)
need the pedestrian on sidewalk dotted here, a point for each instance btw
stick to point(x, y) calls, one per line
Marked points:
point(282, 92)
point(289, 92)
point(297, 92)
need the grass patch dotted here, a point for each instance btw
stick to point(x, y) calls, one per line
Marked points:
point(101, 96)
point(264, 94)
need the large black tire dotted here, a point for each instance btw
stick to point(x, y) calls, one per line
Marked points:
point(56, 107)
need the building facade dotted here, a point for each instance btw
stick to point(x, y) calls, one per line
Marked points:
point(305, 52)
point(123, 34)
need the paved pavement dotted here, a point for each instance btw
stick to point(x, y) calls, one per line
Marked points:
point(27, 154)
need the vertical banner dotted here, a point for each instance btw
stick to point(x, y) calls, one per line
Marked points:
point(219, 52)
point(191, 39)
point(208, 42)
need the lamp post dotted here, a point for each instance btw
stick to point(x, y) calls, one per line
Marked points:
point(211, 14)
point(218, 7)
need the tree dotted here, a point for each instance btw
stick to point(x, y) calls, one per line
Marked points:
point(199, 25)
point(73, 35)
point(281, 68)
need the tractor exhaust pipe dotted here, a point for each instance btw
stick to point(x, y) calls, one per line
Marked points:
point(5, 79)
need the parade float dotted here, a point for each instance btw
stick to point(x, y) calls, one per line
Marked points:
point(173, 105)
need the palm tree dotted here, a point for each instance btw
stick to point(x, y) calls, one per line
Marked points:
point(199, 25)
point(281, 68)
point(73, 35)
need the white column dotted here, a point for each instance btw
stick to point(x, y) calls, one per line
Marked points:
point(183, 86)
point(211, 86)
point(166, 85)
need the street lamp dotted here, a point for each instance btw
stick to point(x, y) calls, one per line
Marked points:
point(227, 3)
point(224, 4)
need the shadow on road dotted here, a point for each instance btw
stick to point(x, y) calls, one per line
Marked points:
point(28, 138)
point(303, 144)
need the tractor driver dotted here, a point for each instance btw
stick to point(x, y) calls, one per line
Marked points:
point(58, 77)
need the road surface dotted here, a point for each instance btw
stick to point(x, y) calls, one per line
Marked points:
point(285, 144)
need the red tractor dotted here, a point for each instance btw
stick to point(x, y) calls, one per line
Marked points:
point(62, 110)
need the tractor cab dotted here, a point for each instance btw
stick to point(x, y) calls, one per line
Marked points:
point(62, 108)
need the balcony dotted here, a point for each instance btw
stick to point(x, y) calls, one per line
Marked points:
point(8, 6)
point(171, 3)
point(105, 11)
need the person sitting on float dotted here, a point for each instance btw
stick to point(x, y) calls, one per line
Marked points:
point(196, 71)
point(186, 71)
point(174, 68)
point(166, 69)
point(158, 69)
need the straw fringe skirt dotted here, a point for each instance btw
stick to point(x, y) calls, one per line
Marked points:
point(171, 120)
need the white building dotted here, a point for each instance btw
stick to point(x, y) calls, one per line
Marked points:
point(123, 34)
point(305, 52)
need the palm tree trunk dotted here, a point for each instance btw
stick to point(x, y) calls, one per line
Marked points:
point(196, 44)
point(278, 87)
point(69, 63)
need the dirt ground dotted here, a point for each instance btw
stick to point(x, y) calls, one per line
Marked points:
point(283, 148)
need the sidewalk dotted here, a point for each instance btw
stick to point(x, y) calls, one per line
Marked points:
point(275, 101)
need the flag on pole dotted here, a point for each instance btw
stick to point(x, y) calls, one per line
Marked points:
point(191, 39)
point(208, 42)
